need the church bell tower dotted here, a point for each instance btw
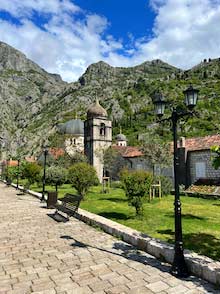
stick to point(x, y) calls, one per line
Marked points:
point(97, 136)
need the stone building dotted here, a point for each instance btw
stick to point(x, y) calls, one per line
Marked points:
point(195, 159)
point(97, 136)
point(73, 130)
point(129, 157)
point(121, 140)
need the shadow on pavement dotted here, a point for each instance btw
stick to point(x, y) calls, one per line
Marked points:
point(58, 217)
point(130, 252)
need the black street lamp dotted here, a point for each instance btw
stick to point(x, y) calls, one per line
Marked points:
point(179, 268)
point(7, 178)
point(18, 171)
point(45, 152)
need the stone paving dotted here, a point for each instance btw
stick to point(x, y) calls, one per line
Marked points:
point(41, 255)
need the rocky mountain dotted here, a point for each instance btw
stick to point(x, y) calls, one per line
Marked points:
point(34, 101)
point(25, 91)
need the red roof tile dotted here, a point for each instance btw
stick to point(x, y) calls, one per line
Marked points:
point(202, 143)
point(56, 152)
point(12, 162)
point(128, 151)
point(30, 159)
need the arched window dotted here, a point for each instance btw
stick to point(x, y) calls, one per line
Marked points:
point(102, 129)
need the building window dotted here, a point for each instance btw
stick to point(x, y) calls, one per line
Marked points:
point(139, 166)
point(102, 129)
point(200, 170)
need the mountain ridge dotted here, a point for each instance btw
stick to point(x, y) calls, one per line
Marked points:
point(34, 101)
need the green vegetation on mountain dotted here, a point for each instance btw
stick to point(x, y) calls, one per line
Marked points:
point(34, 101)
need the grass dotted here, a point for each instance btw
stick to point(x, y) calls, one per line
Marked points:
point(200, 217)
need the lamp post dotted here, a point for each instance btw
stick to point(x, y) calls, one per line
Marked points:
point(8, 157)
point(179, 268)
point(45, 152)
point(18, 171)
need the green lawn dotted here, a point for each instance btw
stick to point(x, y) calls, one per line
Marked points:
point(201, 217)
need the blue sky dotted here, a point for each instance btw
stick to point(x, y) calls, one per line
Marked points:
point(136, 18)
point(66, 36)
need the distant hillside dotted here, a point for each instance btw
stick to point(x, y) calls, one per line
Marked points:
point(34, 101)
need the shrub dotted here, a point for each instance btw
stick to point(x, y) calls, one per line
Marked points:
point(82, 176)
point(136, 185)
point(56, 176)
point(31, 172)
point(12, 172)
point(116, 185)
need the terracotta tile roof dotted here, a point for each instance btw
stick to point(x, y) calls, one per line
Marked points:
point(12, 162)
point(30, 159)
point(15, 162)
point(56, 152)
point(202, 143)
point(128, 151)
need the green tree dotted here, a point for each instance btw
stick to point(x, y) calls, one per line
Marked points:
point(216, 157)
point(82, 176)
point(136, 185)
point(31, 172)
point(56, 176)
point(113, 162)
point(156, 150)
point(66, 160)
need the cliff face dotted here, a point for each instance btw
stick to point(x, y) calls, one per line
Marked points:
point(25, 90)
point(34, 101)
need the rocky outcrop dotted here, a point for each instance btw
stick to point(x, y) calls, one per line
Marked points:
point(33, 101)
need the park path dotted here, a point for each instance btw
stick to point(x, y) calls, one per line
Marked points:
point(41, 255)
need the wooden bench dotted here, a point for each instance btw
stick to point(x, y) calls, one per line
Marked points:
point(69, 204)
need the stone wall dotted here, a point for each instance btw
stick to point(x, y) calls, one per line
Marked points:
point(96, 141)
point(140, 163)
point(202, 158)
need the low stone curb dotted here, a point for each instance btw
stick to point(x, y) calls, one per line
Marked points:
point(200, 266)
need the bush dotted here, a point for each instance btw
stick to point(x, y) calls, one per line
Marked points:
point(9, 172)
point(12, 172)
point(136, 185)
point(116, 185)
point(82, 176)
point(56, 176)
point(31, 172)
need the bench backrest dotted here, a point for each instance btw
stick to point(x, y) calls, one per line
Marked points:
point(71, 201)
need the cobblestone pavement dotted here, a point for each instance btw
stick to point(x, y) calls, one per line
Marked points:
point(41, 255)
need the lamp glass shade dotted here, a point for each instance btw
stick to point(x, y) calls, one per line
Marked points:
point(191, 97)
point(160, 108)
point(159, 104)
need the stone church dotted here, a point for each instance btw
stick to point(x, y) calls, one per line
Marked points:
point(91, 137)
point(97, 136)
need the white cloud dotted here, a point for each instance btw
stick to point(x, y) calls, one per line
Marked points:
point(65, 45)
point(184, 32)
point(25, 8)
